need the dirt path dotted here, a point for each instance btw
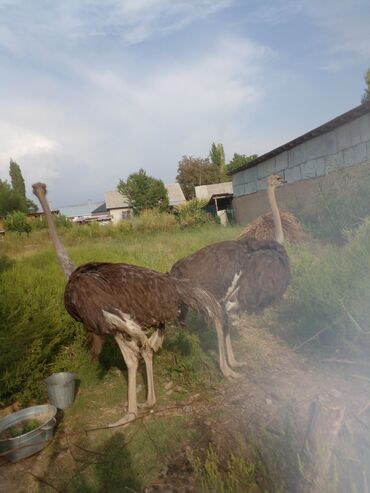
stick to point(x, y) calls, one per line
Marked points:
point(281, 406)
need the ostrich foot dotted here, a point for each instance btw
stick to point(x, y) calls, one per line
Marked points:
point(145, 405)
point(229, 373)
point(127, 418)
point(238, 364)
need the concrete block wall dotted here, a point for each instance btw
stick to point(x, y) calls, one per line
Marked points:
point(347, 145)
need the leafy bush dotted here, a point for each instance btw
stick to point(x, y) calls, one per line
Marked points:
point(329, 292)
point(193, 214)
point(60, 221)
point(17, 221)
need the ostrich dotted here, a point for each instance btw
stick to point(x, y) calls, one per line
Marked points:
point(267, 227)
point(133, 304)
point(244, 275)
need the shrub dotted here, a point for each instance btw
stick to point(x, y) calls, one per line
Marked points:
point(328, 292)
point(17, 221)
point(193, 214)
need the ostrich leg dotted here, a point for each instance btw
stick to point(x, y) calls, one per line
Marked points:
point(155, 343)
point(130, 353)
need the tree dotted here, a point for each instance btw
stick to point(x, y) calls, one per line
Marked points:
point(192, 172)
point(239, 160)
point(366, 95)
point(144, 192)
point(17, 180)
point(217, 155)
point(19, 187)
point(10, 200)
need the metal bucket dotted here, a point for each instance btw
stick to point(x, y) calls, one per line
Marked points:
point(17, 448)
point(61, 389)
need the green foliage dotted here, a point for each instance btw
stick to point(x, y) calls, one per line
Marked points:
point(366, 96)
point(17, 221)
point(193, 214)
point(328, 291)
point(192, 172)
point(236, 476)
point(17, 180)
point(340, 205)
point(10, 200)
point(239, 160)
point(217, 155)
point(144, 192)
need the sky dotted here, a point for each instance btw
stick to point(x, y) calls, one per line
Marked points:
point(93, 90)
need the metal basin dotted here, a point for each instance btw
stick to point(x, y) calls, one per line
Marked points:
point(17, 448)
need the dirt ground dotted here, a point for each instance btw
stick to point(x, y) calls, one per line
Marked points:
point(282, 406)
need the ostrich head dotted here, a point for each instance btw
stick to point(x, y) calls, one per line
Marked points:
point(39, 189)
point(275, 181)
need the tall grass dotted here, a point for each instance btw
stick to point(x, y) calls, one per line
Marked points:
point(329, 293)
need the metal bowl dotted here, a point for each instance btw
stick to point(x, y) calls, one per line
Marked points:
point(17, 448)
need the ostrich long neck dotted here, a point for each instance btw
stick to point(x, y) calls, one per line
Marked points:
point(64, 260)
point(279, 235)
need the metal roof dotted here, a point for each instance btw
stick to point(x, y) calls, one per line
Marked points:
point(78, 210)
point(175, 194)
point(115, 200)
point(206, 191)
point(326, 127)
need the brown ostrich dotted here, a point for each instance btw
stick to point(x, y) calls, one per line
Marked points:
point(245, 276)
point(267, 227)
point(133, 304)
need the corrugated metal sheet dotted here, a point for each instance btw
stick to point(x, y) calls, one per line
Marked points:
point(206, 191)
point(326, 127)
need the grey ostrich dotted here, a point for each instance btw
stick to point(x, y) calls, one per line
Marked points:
point(245, 275)
point(127, 301)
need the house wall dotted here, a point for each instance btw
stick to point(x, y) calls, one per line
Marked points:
point(118, 214)
point(303, 167)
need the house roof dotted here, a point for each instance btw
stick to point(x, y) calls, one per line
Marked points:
point(115, 200)
point(206, 191)
point(175, 194)
point(102, 208)
point(326, 127)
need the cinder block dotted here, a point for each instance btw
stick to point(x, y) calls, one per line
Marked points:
point(360, 153)
point(292, 174)
point(365, 127)
point(297, 155)
point(330, 142)
point(315, 148)
point(349, 157)
point(343, 137)
point(262, 184)
point(320, 165)
point(281, 161)
point(354, 130)
point(250, 174)
point(250, 187)
point(266, 168)
point(308, 169)
point(238, 190)
point(238, 179)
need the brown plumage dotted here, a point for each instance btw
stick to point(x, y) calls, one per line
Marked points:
point(133, 304)
point(263, 228)
point(245, 275)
